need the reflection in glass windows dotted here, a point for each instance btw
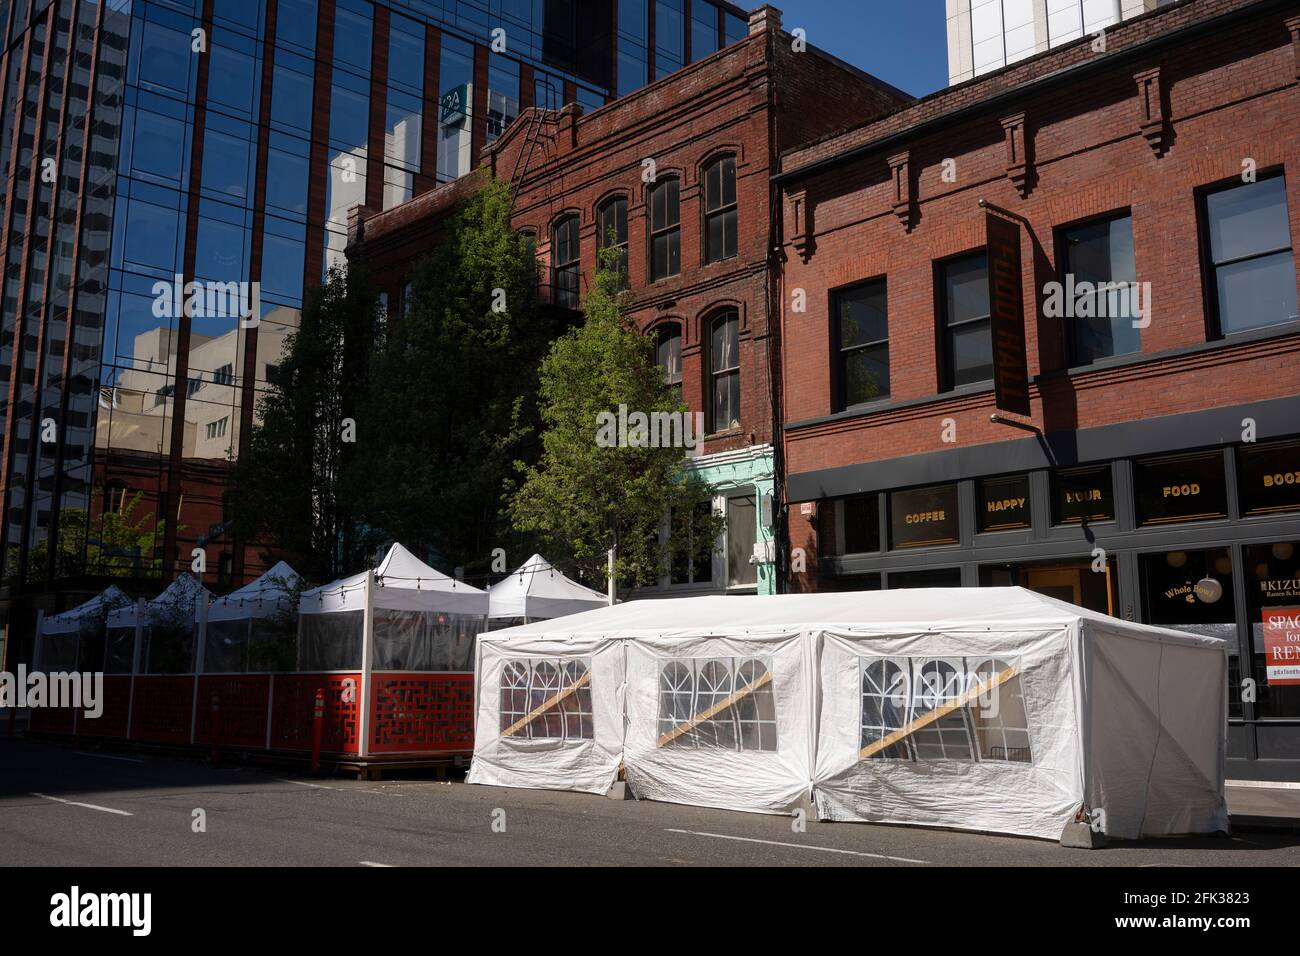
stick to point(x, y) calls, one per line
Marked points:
point(1100, 323)
point(724, 371)
point(862, 334)
point(1268, 475)
point(611, 231)
point(665, 229)
point(1273, 591)
point(668, 356)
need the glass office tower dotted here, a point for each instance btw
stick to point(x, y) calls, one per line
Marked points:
point(153, 150)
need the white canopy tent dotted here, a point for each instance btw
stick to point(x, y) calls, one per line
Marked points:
point(253, 628)
point(166, 627)
point(413, 618)
point(67, 638)
point(979, 708)
point(536, 591)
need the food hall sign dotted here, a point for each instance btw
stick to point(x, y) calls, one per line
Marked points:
point(1282, 645)
point(1007, 316)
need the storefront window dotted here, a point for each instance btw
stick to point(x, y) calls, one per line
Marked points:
point(1075, 582)
point(1192, 591)
point(924, 517)
point(929, 578)
point(1083, 495)
point(1180, 488)
point(1273, 609)
point(1269, 476)
point(1003, 503)
point(850, 525)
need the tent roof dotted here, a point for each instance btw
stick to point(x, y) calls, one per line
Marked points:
point(175, 605)
point(403, 582)
point(264, 597)
point(918, 609)
point(537, 589)
point(71, 620)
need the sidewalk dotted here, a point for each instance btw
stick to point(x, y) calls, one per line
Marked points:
point(1263, 806)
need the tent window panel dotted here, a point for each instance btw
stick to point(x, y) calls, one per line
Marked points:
point(547, 699)
point(167, 649)
point(980, 704)
point(423, 640)
point(119, 650)
point(715, 703)
point(330, 642)
point(225, 647)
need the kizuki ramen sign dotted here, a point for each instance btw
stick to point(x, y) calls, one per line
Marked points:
point(1007, 316)
point(1282, 645)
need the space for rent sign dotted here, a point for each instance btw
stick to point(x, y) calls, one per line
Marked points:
point(1282, 645)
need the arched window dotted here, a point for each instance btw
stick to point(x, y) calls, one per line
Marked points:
point(676, 696)
point(611, 231)
point(998, 715)
point(665, 229)
point(939, 682)
point(720, 210)
point(886, 699)
point(724, 371)
point(755, 710)
point(544, 686)
point(668, 355)
point(566, 261)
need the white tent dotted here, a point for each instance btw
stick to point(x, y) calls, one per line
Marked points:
point(981, 708)
point(413, 617)
point(166, 627)
point(537, 591)
point(65, 637)
point(251, 628)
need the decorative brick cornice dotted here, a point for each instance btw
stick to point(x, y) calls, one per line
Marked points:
point(900, 174)
point(1152, 122)
point(1293, 25)
point(1018, 163)
point(801, 233)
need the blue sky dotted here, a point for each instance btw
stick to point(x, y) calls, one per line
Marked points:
point(901, 41)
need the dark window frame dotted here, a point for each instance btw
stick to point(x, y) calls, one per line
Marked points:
point(565, 297)
point(1209, 269)
point(943, 329)
point(722, 209)
point(724, 314)
point(603, 208)
point(839, 398)
point(1060, 248)
point(669, 230)
point(671, 328)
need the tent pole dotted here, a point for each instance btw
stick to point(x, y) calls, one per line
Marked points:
point(613, 585)
point(201, 639)
point(40, 639)
point(135, 662)
point(367, 639)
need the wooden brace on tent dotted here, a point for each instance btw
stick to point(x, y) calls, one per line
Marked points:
point(546, 705)
point(997, 680)
point(717, 708)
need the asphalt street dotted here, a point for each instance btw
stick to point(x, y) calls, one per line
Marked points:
point(59, 806)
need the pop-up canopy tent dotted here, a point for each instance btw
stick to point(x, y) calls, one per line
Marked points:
point(536, 591)
point(978, 708)
point(74, 639)
point(419, 619)
point(253, 628)
point(166, 627)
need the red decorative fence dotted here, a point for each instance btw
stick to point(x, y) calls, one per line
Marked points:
point(410, 713)
point(421, 713)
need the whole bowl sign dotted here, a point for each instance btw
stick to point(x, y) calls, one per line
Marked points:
point(1282, 645)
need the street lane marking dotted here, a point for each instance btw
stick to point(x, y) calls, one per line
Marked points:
point(82, 753)
point(304, 783)
point(88, 806)
point(372, 863)
point(799, 846)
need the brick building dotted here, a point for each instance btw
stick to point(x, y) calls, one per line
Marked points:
point(679, 173)
point(1153, 184)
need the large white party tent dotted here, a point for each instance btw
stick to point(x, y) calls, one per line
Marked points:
point(68, 639)
point(536, 591)
point(165, 627)
point(976, 708)
point(241, 625)
point(414, 617)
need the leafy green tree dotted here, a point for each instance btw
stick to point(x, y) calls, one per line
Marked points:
point(453, 402)
point(297, 486)
point(587, 496)
point(119, 544)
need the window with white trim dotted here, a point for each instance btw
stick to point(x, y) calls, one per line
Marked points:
point(717, 702)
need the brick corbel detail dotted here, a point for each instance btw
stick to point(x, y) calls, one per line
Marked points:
point(801, 234)
point(1013, 127)
point(1152, 122)
point(900, 174)
point(1293, 25)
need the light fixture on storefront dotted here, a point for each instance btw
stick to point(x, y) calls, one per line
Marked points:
point(1176, 559)
point(1209, 590)
point(1283, 550)
point(1223, 564)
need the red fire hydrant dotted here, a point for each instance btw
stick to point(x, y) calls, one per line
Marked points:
point(318, 721)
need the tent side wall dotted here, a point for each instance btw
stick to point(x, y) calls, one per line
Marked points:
point(1156, 726)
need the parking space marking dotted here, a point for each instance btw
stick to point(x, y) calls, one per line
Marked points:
point(88, 806)
point(799, 846)
point(373, 863)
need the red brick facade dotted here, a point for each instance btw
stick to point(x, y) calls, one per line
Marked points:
point(1146, 128)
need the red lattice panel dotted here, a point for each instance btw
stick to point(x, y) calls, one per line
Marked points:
point(293, 706)
point(117, 708)
point(240, 717)
point(160, 712)
point(422, 713)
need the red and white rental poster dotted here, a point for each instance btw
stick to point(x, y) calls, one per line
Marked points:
point(1282, 645)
